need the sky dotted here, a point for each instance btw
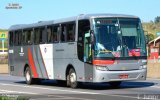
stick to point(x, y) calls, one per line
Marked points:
point(42, 10)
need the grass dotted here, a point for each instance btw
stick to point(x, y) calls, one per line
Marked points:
point(13, 98)
point(3, 30)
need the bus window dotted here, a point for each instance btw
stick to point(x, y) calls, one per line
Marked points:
point(49, 34)
point(39, 33)
point(32, 35)
point(36, 36)
point(42, 36)
point(23, 38)
point(63, 33)
point(28, 35)
point(83, 27)
point(56, 30)
point(17, 38)
point(71, 32)
point(11, 38)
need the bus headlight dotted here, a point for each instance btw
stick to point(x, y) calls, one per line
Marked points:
point(143, 67)
point(102, 68)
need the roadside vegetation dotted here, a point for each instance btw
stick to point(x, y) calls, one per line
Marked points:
point(13, 98)
point(151, 28)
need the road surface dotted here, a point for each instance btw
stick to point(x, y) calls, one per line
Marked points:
point(50, 90)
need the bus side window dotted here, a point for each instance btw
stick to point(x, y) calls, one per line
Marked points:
point(11, 38)
point(19, 37)
point(71, 32)
point(28, 37)
point(56, 31)
point(16, 38)
point(36, 36)
point(32, 36)
point(49, 34)
point(23, 39)
point(63, 33)
point(42, 35)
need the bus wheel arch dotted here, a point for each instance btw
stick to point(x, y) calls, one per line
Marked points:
point(71, 76)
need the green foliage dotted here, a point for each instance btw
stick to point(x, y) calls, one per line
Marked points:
point(151, 29)
point(150, 37)
point(3, 30)
point(13, 98)
point(157, 19)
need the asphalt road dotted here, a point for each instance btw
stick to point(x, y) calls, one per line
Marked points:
point(13, 86)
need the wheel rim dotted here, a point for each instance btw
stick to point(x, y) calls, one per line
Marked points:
point(28, 76)
point(73, 77)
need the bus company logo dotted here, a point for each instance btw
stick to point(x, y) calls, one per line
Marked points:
point(21, 49)
point(45, 49)
point(21, 53)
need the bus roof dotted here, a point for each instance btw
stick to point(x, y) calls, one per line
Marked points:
point(81, 16)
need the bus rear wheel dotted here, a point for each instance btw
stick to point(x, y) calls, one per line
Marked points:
point(72, 79)
point(28, 76)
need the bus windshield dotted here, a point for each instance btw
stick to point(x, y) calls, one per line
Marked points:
point(119, 37)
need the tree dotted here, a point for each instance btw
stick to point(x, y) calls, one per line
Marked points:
point(150, 37)
point(157, 19)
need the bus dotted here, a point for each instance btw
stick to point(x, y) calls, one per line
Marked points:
point(94, 48)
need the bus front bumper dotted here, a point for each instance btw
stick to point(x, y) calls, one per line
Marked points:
point(108, 76)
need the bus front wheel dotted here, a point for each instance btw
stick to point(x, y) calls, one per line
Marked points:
point(72, 79)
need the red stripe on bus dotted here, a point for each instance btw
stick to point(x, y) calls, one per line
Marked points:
point(31, 61)
point(103, 62)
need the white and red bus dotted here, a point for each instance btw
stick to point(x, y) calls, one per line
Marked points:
point(85, 48)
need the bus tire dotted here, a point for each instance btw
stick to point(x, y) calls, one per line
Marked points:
point(72, 79)
point(115, 84)
point(28, 76)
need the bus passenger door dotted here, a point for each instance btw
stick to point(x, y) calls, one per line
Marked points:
point(84, 46)
point(87, 48)
point(84, 50)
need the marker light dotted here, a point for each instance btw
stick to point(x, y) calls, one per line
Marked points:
point(102, 68)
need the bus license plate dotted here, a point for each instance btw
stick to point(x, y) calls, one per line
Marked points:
point(123, 76)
